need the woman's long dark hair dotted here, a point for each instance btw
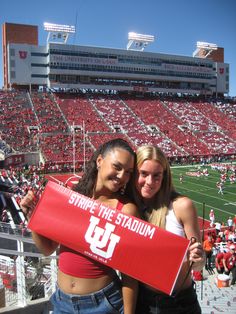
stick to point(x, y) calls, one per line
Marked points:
point(88, 181)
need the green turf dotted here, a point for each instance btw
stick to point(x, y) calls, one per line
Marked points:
point(203, 190)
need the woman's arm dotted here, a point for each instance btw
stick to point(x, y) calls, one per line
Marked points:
point(129, 284)
point(45, 245)
point(186, 213)
point(130, 293)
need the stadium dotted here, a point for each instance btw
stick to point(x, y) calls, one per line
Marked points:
point(61, 101)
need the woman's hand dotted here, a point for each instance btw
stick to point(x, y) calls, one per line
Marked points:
point(197, 255)
point(27, 204)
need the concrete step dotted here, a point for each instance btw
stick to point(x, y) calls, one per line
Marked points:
point(214, 299)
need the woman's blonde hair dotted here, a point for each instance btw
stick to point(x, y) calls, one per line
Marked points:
point(157, 211)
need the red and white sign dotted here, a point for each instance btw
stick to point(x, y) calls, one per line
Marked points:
point(22, 54)
point(14, 160)
point(221, 70)
point(126, 243)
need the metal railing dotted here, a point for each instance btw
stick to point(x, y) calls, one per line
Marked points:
point(25, 274)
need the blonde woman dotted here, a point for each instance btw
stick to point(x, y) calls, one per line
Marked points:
point(164, 207)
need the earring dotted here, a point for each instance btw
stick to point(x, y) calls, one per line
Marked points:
point(122, 190)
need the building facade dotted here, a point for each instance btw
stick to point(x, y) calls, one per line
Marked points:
point(63, 66)
point(19, 34)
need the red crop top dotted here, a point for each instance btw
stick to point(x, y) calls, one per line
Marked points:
point(76, 264)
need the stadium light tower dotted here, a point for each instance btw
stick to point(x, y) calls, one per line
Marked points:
point(204, 49)
point(58, 33)
point(138, 41)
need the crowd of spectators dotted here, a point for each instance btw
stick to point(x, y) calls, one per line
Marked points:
point(184, 128)
point(220, 248)
point(14, 184)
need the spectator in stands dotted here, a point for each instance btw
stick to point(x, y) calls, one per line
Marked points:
point(81, 280)
point(231, 236)
point(234, 222)
point(217, 227)
point(229, 262)
point(4, 216)
point(230, 223)
point(23, 229)
point(5, 219)
point(233, 269)
point(218, 238)
point(212, 217)
point(228, 244)
point(226, 233)
point(234, 236)
point(208, 245)
point(219, 262)
point(167, 209)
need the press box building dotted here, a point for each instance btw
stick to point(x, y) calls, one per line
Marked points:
point(58, 65)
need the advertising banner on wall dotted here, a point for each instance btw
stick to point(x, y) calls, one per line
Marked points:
point(14, 160)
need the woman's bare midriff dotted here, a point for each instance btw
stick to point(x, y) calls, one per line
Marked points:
point(76, 285)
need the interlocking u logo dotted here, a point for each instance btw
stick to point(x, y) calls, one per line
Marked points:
point(22, 54)
point(99, 238)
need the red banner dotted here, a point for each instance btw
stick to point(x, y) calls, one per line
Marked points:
point(14, 160)
point(128, 244)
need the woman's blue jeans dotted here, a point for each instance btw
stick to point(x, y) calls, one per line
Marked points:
point(105, 301)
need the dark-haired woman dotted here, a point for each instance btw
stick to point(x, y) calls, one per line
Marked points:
point(84, 285)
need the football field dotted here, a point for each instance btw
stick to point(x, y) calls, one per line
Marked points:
point(203, 191)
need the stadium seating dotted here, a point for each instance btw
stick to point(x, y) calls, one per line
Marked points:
point(78, 111)
point(158, 114)
point(122, 119)
point(17, 121)
point(66, 128)
point(227, 117)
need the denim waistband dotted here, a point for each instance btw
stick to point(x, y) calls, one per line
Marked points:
point(110, 288)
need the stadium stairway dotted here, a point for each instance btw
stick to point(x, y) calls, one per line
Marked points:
point(215, 300)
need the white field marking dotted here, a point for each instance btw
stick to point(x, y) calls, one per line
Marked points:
point(209, 196)
point(206, 189)
point(220, 210)
point(226, 204)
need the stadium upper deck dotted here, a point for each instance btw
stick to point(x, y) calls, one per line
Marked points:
point(62, 66)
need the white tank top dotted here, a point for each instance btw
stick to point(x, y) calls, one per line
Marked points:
point(172, 223)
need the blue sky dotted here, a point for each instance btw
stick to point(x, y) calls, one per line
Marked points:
point(176, 24)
